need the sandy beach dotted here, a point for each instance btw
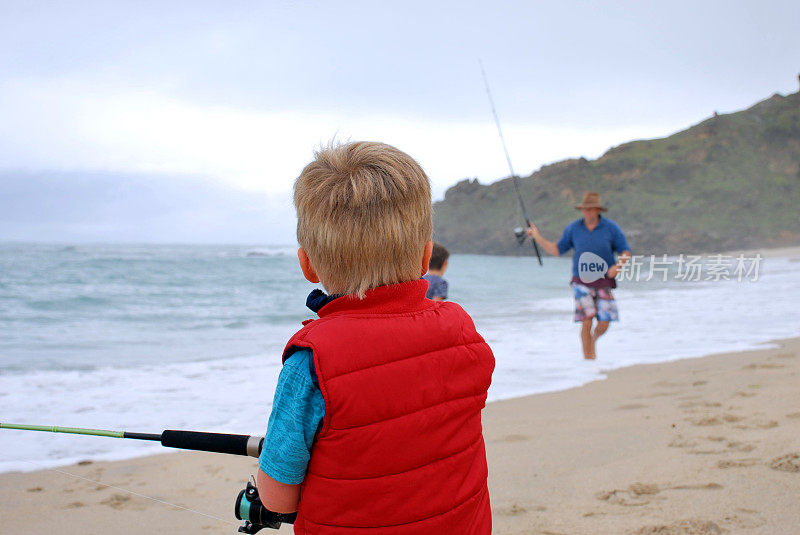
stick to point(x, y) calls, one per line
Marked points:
point(706, 445)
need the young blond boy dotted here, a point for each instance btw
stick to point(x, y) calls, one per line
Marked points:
point(376, 423)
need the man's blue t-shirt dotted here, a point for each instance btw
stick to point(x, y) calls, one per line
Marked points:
point(605, 240)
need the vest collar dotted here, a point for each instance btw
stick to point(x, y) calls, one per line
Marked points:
point(390, 299)
point(318, 299)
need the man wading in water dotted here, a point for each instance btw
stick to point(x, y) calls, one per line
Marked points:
point(595, 240)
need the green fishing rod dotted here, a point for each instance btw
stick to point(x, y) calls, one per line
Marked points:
point(249, 445)
point(248, 505)
point(520, 233)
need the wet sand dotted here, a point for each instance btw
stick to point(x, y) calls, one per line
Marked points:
point(708, 445)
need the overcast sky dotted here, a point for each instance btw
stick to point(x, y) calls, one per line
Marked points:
point(241, 92)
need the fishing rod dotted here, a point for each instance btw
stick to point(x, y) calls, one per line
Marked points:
point(248, 445)
point(248, 505)
point(520, 233)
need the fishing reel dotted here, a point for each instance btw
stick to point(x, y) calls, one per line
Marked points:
point(521, 235)
point(257, 517)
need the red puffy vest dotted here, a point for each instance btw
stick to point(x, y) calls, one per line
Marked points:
point(401, 448)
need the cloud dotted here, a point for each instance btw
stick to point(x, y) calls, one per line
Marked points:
point(142, 131)
point(74, 206)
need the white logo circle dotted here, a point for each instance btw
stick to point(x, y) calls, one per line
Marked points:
point(591, 267)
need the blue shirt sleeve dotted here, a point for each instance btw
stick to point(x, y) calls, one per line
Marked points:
point(565, 243)
point(437, 288)
point(619, 242)
point(443, 289)
point(298, 410)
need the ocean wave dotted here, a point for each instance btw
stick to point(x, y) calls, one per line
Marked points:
point(152, 357)
point(271, 251)
point(68, 303)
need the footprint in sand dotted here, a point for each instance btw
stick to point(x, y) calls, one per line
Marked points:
point(658, 395)
point(704, 422)
point(717, 420)
point(786, 463)
point(593, 513)
point(733, 445)
point(641, 489)
point(706, 486)
point(211, 469)
point(515, 438)
point(666, 384)
point(35, 489)
point(695, 406)
point(743, 447)
point(766, 424)
point(636, 494)
point(794, 415)
point(680, 442)
point(117, 501)
point(97, 473)
point(748, 519)
point(631, 406)
point(75, 505)
point(517, 509)
point(739, 463)
point(682, 527)
point(643, 493)
point(763, 366)
point(707, 452)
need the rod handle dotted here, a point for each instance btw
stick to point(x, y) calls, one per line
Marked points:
point(213, 442)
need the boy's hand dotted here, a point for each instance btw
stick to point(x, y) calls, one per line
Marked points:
point(533, 232)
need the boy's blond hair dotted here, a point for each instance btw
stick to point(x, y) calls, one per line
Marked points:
point(363, 216)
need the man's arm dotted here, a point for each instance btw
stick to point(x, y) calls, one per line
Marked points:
point(547, 245)
point(620, 245)
point(624, 256)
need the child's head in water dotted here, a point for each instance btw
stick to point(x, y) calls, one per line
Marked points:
point(364, 217)
point(439, 258)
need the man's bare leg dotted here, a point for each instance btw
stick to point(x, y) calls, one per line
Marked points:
point(587, 339)
point(599, 330)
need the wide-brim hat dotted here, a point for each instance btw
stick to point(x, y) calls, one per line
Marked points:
point(591, 200)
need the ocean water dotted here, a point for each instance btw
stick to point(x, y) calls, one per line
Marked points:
point(145, 338)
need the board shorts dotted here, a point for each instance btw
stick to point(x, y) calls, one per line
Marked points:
point(594, 302)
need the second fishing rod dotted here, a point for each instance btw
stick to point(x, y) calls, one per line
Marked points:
point(519, 232)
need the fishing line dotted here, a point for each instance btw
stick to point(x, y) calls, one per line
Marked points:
point(164, 502)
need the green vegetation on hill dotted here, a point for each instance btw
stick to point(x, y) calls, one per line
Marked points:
point(732, 181)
